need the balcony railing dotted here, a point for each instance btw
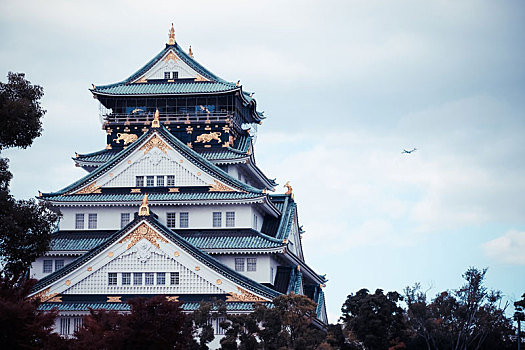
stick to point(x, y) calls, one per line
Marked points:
point(168, 118)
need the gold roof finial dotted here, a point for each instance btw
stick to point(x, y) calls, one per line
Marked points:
point(144, 208)
point(156, 122)
point(290, 189)
point(190, 52)
point(171, 40)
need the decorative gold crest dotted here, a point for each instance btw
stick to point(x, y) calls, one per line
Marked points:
point(91, 188)
point(155, 141)
point(114, 299)
point(173, 189)
point(219, 187)
point(135, 190)
point(205, 138)
point(172, 298)
point(127, 138)
point(243, 295)
point(55, 299)
point(143, 231)
point(171, 56)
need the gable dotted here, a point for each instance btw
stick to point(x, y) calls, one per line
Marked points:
point(153, 156)
point(143, 248)
point(170, 62)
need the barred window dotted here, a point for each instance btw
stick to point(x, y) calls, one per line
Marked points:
point(171, 219)
point(161, 278)
point(79, 221)
point(139, 181)
point(77, 323)
point(251, 264)
point(217, 219)
point(150, 181)
point(48, 266)
point(166, 75)
point(175, 75)
point(92, 221)
point(124, 219)
point(112, 278)
point(170, 179)
point(184, 219)
point(64, 326)
point(239, 264)
point(126, 278)
point(160, 181)
point(174, 278)
point(137, 278)
point(59, 264)
point(149, 278)
point(230, 219)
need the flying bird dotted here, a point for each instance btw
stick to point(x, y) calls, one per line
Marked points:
point(408, 152)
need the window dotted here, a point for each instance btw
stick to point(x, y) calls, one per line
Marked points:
point(170, 179)
point(92, 221)
point(124, 219)
point(175, 75)
point(48, 266)
point(137, 278)
point(174, 278)
point(251, 264)
point(217, 219)
point(230, 219)
point(77, 323)
point(171, 219)
point(239, 264)
point(59, 264)
point(64, 326)
point(184, 219)
point(79, 221)
point(112, 279)
point(166, 75)
point(150, 181)
point(255, 221)
point(160, 181)
point(149, 278)
point(161, 278)
point(139, 181)
point(126, 278)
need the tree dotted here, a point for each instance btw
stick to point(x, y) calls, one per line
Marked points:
point(203, 331)
point(153, 323)
point(286, 325)
point(22, 326)
point(25, 225)
point(519, 316)
point(20, 111)
point(376, 320)
point(468, 318)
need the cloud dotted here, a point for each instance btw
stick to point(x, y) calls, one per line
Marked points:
point(509, 248)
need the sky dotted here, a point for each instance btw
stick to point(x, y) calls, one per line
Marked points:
point(345, 86)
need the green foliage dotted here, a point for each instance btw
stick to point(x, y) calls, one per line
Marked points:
point(376, 320)
point(20, 111)
point(286, 325)
point(203, 331)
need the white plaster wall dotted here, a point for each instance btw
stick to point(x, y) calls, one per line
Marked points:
point(200, 217)
point(37, 268)
point(264, 262)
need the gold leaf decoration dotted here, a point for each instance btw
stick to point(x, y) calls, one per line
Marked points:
point(114, 299)
point(205, 138)
point(219, 187)
point(172, 298)
point(155, 141)
point(171, 56)
point(143, 231)
point(91, 188)
point(173, 189)
point(55, 299)
point(243, 295)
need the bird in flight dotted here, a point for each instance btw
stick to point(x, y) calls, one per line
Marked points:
point(408, 152)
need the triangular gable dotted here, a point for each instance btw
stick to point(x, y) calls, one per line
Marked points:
point(146, 246)
point(155, 147)
point(171, 62)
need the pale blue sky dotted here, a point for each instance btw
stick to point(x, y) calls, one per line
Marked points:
point(345, 86)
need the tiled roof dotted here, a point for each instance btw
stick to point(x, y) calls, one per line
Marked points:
point(206, 259)
point(191, 306)
point(203, 239)
point(99, 156)
point(153, 197)
point(78, 240)
point(193, 156)
point(167, 88)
